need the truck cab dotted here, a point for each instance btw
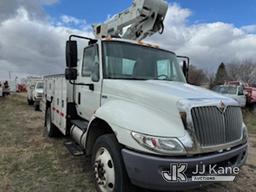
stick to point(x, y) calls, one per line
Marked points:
point(38, 94)
point(127, 104)
point(31, 86)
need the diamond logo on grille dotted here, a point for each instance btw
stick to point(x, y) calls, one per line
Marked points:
point(222, 107)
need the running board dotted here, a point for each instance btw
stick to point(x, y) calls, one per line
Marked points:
point(74, 148)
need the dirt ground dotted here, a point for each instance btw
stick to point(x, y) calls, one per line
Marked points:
point(30, 162)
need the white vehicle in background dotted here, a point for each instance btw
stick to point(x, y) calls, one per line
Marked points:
point(31, 83)
point(232, 91)
point(1, 91)
point(38, 94)
point(30, 89)
point(128, 106)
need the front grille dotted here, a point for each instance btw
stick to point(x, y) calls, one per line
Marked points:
point(39, 94)
point(213, 127)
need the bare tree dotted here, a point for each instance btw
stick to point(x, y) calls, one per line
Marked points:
point(197, 76)
point(243, 71)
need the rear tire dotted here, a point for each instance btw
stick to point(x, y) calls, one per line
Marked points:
point(37, 108)
point(109, 170)
point(30, 102)
point(51, 129)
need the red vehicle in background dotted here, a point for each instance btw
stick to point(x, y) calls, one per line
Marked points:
point(21, 88)
point(250, 92)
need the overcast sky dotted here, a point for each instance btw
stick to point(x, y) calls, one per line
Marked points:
point(33, 33)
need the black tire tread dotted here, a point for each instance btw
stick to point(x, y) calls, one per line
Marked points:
point(110, 142)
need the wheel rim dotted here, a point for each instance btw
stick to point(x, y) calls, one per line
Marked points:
point(104, 170)
point(48, 121)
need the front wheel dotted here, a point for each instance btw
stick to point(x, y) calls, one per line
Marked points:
point(109, 170)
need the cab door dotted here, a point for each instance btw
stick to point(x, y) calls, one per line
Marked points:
point(88, 99)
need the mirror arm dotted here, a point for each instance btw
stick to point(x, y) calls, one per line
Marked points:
point(91, 41)
point(90, 85)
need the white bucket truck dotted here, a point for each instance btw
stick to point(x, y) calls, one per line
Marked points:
point(128, 106)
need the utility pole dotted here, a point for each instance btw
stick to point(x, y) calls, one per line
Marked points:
point(10, 75)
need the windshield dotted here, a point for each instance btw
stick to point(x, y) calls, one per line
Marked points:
point(40, 85)
point(135, 62)
point(227, 90)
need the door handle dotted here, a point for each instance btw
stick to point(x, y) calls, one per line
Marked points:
point(90, 85)
point(79, 98)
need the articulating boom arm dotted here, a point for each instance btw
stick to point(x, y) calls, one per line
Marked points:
point(142, 19)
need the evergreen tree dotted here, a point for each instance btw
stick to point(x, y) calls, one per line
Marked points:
point(221, 76)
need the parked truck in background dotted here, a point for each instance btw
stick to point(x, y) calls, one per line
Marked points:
point(30, 86)
point(232, 91)
point(5, 88)
point(249, 91)
point(38, 94)
point(1, 90)
point(127, 105)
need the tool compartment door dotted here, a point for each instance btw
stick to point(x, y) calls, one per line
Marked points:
point(59, 104)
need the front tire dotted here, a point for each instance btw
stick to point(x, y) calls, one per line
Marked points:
point(109, 170)
point(51, 129)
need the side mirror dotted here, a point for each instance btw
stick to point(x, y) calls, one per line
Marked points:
point(71, 54)
point(185, 69)
point(71, 74)
point(95, 73)
point(184, 65)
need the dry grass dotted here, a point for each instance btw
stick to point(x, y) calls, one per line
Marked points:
point(250, 121)
point(30, 162)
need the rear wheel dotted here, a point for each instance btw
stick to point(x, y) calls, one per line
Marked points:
point(51, 129)
point(109, 170)
point(37, 108)
point(30, 102)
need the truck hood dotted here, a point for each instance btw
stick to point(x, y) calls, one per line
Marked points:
point(162, 98)
point(151, 90)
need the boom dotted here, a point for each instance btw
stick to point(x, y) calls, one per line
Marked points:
point(142, 19)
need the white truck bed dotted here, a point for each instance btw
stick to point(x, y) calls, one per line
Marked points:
point(56, 92)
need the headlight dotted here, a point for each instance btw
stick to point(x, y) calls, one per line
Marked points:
point(159, 144)
point(245, 133)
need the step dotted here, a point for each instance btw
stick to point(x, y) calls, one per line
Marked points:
point(74, 148)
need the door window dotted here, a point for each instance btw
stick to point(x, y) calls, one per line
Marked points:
point(90, 61)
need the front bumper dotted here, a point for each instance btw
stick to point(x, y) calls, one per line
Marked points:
point(146, 170)
point(37, 99)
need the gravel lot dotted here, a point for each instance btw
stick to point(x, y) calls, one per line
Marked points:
point(29, 161)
